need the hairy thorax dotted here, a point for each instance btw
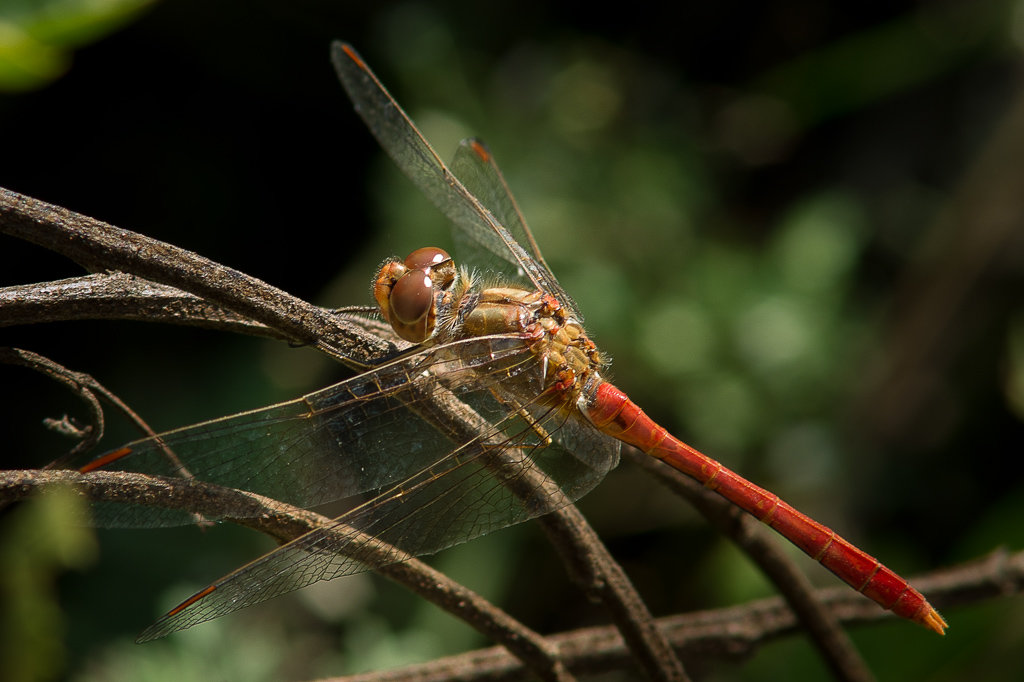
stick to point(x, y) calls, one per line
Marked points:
point(428, 301)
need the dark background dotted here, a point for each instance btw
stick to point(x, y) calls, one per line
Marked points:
point(796, 227)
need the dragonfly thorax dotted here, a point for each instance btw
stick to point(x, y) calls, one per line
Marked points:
point(566, 359)
point(425, 299)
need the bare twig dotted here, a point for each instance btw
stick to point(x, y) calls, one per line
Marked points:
point(119, 296)
point(605, 581)
point(122, 296)
point(83, 385)
point(79, 384)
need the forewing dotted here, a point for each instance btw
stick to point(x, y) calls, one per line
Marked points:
point(504, 475)
point(357, 435)
point(491, 250)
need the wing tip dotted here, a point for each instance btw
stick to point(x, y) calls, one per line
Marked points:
point(104, 460)
point(167, 624)
point(350, 52)
point(479, 148)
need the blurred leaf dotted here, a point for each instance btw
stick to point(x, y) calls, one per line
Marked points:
point(36, 36)
point(819, 242)
point(39, 539)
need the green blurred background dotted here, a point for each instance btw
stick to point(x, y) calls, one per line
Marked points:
point(796, 226)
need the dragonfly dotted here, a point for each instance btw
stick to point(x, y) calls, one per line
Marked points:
point(505, 341)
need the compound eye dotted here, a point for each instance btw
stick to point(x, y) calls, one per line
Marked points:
point(412, 297)
point(426, 258)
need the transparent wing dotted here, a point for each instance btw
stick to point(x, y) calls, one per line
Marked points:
point(357, 435)
point(477, 169)
point(400, 138)
point(506, 474)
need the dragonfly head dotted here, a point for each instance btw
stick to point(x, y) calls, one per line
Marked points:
point(407, 291)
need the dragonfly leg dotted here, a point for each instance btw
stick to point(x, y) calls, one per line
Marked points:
point(537, 428)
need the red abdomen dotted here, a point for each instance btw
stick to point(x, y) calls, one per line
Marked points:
point(615, 414)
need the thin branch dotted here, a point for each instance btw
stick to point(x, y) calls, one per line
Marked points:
point(120, 296)
point(79, 384)
point(604, 580)
point(123, 296)
point(82, 385)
